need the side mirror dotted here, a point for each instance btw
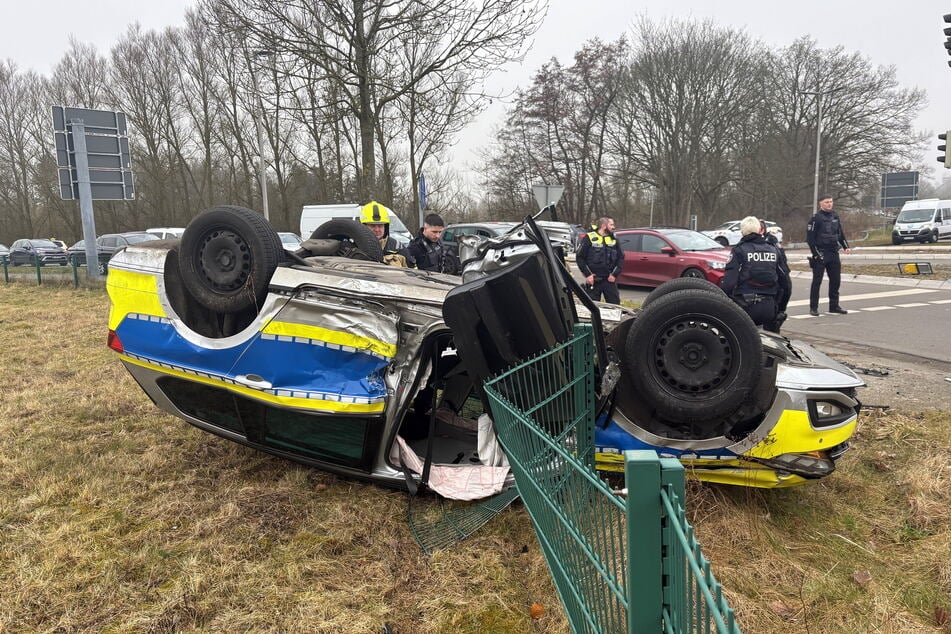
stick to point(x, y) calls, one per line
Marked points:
point(668, 250)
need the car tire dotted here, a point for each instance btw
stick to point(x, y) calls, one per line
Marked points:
point(934, 237)
point(102, 268)
point(694, 273)
point(680, 284)
point(228, 255)
point(723, 241)
point(896, 241)
point(694, 356)
point(359, 241)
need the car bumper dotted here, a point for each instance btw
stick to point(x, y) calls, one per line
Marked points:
point(914, 234)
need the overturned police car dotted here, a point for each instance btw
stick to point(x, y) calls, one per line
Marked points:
point(328, 357)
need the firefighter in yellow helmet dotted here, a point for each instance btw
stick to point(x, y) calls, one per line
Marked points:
point(377, 219)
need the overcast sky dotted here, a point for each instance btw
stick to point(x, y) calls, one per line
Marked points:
point(906, 34)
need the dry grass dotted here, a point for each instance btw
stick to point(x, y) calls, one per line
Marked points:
point(117, 517)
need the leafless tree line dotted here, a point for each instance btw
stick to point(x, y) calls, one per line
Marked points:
point(691, 118)
point(357, 98)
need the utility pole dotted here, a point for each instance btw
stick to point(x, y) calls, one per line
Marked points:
point(819, 94)
point(262, 167)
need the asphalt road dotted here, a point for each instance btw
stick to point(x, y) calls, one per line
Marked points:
point(904, 320)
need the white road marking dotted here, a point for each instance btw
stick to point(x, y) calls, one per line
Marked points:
point(940, 301)
point(912, 305)
point(907, 291)
point(873, 308)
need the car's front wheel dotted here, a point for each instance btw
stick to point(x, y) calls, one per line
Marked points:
point(723, 241)
point(694, 273)
point(694, 356)
point(357, 241)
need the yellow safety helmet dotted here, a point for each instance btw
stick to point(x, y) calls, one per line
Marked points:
point(373, 213)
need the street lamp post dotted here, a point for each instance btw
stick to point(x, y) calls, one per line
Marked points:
point(818, 94)
point(262, 168)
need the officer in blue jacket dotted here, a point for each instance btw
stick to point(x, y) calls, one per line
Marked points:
point(755, 278)
point(600, 259)
point(824, 235)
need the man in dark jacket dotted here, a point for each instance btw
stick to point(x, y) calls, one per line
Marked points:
point(754, 277)
point(824, 235)
point(600, 259)
point(427, 252)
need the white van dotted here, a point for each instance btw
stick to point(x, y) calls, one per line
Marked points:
point(312, 216)
point(926, 220)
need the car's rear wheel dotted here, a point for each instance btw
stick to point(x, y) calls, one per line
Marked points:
point(693, 356)
point(723, 241)
point(357, 240)
point(228, 255)
point(680, 284)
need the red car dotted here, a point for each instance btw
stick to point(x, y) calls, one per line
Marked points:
point(653, 256)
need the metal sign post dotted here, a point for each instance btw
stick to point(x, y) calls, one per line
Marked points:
point(85, 199)
point(94, 161)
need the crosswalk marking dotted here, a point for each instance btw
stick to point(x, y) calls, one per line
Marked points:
point(874, 308)
point(940, 301)
point(907, 291)
point(912, 305)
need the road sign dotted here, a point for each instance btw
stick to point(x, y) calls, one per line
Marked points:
point(107, 153)
point(547, 194)
point(898, 188)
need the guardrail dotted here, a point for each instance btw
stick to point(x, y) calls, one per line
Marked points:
point(622, 560)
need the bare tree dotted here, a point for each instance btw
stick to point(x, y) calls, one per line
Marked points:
point(688, 93)
point(356, 45)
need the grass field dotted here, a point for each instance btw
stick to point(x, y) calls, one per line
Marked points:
point(117, 517)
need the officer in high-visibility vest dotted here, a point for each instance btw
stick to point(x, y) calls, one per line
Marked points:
point(376, 217)
point(600, 259)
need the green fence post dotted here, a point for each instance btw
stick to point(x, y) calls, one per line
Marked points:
point(6, 271)
point(39, 277)
point(75, 267)
point(675, 588)
point(644, 571)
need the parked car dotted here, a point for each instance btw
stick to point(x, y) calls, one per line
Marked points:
point(59, 243)
point(4, 253)
point(107, 245)
point(482, 229)
point(561, 232)
point(728, 234)
point(657, 254)
point(166, 233)
point(291, 241)
point(365, 369)
point(36, 251)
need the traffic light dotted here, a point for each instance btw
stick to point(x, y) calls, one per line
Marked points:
point(946, 159)
point(947, 34)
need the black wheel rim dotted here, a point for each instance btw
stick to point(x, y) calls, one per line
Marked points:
point(225, 260)
point(694, 273)
point(694, 355)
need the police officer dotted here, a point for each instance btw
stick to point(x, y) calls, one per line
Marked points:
point(376, 217)
point(428, 252)
point(754, 278)
point(824, 235)
point(600, 259)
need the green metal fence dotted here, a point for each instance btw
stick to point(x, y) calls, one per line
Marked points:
point(622, 560)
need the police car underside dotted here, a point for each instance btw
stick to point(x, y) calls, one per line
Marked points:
point(375, 372)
